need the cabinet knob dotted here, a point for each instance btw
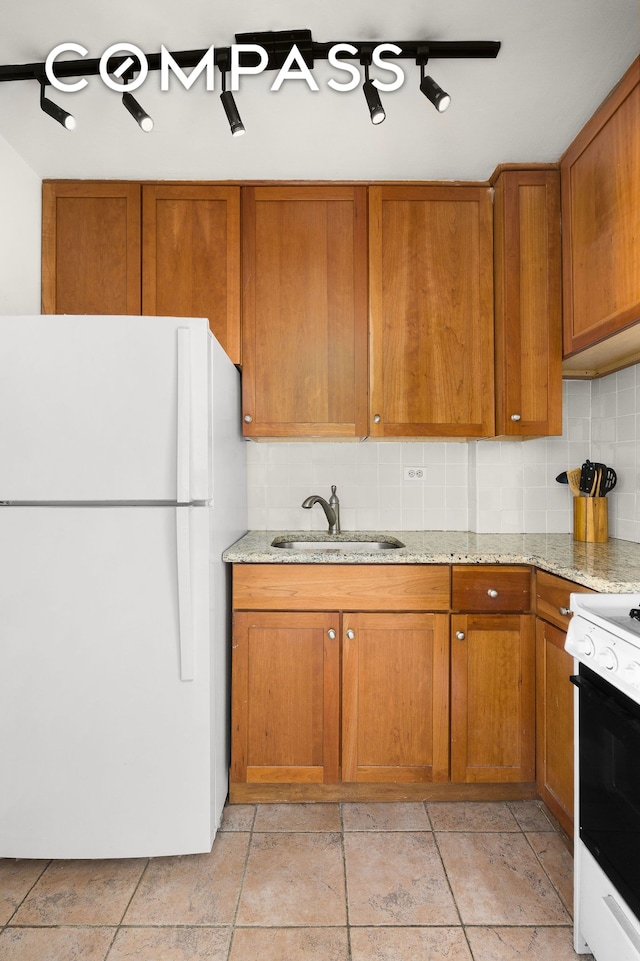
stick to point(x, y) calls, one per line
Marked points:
point(331, 634)
point(564, 611)
point(351, 634)
point(248, 418)
point(516, 417)
point(460, 635)
point(377, 418)
point(492, 592)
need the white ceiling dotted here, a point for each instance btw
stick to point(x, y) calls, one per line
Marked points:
point(559, 59)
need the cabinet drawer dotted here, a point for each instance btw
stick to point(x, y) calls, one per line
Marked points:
point(552, 598)
point(331, 587)
point(491, 588)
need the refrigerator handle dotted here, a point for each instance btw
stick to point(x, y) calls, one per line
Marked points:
point(183, 437)
point(185, 620)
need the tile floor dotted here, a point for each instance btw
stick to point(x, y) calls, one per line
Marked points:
point(454, 881)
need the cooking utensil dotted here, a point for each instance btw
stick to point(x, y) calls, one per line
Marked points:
point(573, 480)
point(587, 477)
point(608, 482)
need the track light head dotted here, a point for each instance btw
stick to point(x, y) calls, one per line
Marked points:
point(371, 95)
point(141, 117)
point(433, 92)
point(57, 113)
point(229, 104)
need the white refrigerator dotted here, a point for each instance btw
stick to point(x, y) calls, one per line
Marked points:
point(122, 480)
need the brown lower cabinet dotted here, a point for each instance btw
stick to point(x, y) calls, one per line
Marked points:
point(554, 734)
point(492, 697)
point(374, 694)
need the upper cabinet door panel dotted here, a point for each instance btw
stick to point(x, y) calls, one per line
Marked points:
point(431, 305)
point(90, 247)
point(304, 311)
point(528, 303)
point(601, 219)
point(191, 257)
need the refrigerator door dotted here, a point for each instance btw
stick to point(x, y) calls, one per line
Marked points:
point(105, 409)
point(107, 739)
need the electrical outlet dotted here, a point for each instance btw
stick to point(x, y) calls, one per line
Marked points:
point(413, 473)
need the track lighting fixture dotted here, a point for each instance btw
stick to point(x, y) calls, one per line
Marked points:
point(141, 117)
point(376, 110)
point(432, 91)
point(292, 53)
point(235, 123)
point(53, 110)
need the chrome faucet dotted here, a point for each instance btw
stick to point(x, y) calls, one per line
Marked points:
point(330, 508)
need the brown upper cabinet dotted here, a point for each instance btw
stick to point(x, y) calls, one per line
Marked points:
point(90, 247)
point(304, 323)
point(431, 311)
point(191, 256)
point(119, 248)
point(528, 302)
point(601, 226)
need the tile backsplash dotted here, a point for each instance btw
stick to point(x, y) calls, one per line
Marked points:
point(483, 486)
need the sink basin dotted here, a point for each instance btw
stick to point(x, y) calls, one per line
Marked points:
point(336, 545)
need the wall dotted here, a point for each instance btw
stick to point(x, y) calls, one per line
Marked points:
point(483, 486)
point(21, 206)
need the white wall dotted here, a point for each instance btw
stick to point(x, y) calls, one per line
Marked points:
point(483, 486)
point(20, 228)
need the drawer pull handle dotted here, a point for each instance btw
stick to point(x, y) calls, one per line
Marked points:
point(377, 418)
point(515, 417)
point(460, 635)
point(564, 611)
point(248, 418)
point(351, 635)
point(492, 592)
point(331, 634)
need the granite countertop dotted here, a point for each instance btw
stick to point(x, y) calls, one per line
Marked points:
point(612, 568)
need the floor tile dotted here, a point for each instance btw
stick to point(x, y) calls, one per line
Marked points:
point(531, 816)
point(238, 817)
point(292, 944)
point(535, 944)
point(298, 817)
point(557, 861)
point(193, 889)
point(496, 879)
point(16, 880)
point(471, 816)
point(382, 816)
point(81, 892)
point(171, 944)
point(409, 944)
point(293, 879)
point(55, 944)
point(396, 879)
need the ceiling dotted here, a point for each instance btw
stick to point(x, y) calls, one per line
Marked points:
point(558, 60)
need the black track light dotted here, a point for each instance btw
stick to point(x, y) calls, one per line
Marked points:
point(235, 123)
point(376, 110)
point(141, 117)
point(433, 92)
point(53, 110)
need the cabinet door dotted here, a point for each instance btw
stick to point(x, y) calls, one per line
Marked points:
point(492, 697)
point(601, 220)
point(304, 319)
point(395, 714)
point(431, 306)
point(191, 257)
point(554, 723)
point(285, 698)
point(90, 247)
point(528, 312)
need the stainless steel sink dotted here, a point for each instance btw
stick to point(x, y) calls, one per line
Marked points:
point(336, 544)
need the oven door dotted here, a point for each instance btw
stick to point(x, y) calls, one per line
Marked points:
point(609, 789)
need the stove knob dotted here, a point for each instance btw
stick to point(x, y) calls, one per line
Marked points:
point(608, 659)
point(585, 645)
point(633, 673)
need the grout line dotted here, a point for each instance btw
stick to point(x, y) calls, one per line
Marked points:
point(242, 879)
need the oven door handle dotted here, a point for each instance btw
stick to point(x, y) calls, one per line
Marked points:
point(594, 693)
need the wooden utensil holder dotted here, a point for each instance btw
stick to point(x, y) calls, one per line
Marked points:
point(590, 519)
